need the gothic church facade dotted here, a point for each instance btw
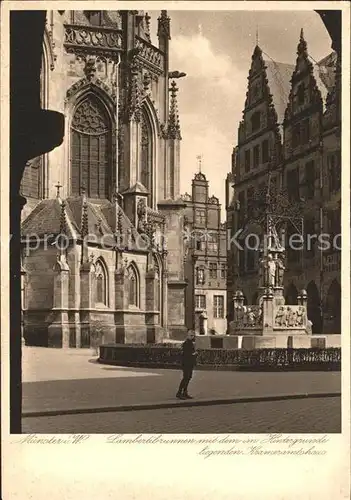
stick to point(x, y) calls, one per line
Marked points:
point(102, 227)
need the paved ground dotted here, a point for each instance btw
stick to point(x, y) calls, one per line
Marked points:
point(56, 379)
point(316, 415)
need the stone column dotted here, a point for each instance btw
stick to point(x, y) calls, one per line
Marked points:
point(121, 304)
point(58, 331)
point(87, 287)
point(268, 313)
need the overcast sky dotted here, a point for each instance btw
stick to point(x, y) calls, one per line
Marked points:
point(214, 49)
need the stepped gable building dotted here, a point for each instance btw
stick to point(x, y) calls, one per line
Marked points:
point(289, 140)
point(111, 190)
point(205, 260)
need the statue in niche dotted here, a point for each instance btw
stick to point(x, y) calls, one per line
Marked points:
point(280, 268)
point(292, 318)
point(279, 316)
point(271, 270)
point(141, 213)
point(250, 317)
point(260, 316)
point(300, 316)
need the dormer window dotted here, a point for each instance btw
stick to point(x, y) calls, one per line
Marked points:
point(256, 121)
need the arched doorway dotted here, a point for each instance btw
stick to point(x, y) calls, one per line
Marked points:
point(291, 294)
point(333, 307)
point(313, 307)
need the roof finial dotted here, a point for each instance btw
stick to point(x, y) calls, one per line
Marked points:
point(199, 159)
point(257, 35)
point(58, 187)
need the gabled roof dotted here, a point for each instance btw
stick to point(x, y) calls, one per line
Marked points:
point(279, 78)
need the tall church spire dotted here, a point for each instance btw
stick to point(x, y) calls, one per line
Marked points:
point(173, 125)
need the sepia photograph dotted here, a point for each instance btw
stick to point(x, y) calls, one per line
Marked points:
point(175, 221)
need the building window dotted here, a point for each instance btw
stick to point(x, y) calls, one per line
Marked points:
point(146, 174)
point(309, 179)
point(265, 151)
point(309, 237)
point(256, 121)
point(256, 156)
point(250, 257)
point(94, 17)
point(247, 160)
point(200, 216)
point(305, 131)
point(213, 270)
point(212, 242)
point(241, 214)
point(293, 184)
point(223, 271)
point(301, 94)
point(334, 177)
point(250, 200)
point(91, 149)
point(133, 286)
point(101, 284)
point(218, 306)
point(200, 301)
point(200, 276)
point(296, 132)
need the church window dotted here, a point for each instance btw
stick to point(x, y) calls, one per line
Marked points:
point(256, 121)
point(250, 200)
point(91, 149)
point(133, 288)
point(256, 156)
point(101, 283)
point(265, 151)
point(247, 160)
point(146, 171)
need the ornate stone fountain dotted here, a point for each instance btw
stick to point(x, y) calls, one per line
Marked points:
point(270, 322)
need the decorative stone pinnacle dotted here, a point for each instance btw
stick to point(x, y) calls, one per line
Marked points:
point(174, 126)
point(302, 46)
point(164, 28)
point(147, 25)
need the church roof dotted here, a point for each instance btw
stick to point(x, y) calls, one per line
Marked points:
point(45, 219)
point(279, 77)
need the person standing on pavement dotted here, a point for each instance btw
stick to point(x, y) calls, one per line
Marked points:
point(188, 362)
